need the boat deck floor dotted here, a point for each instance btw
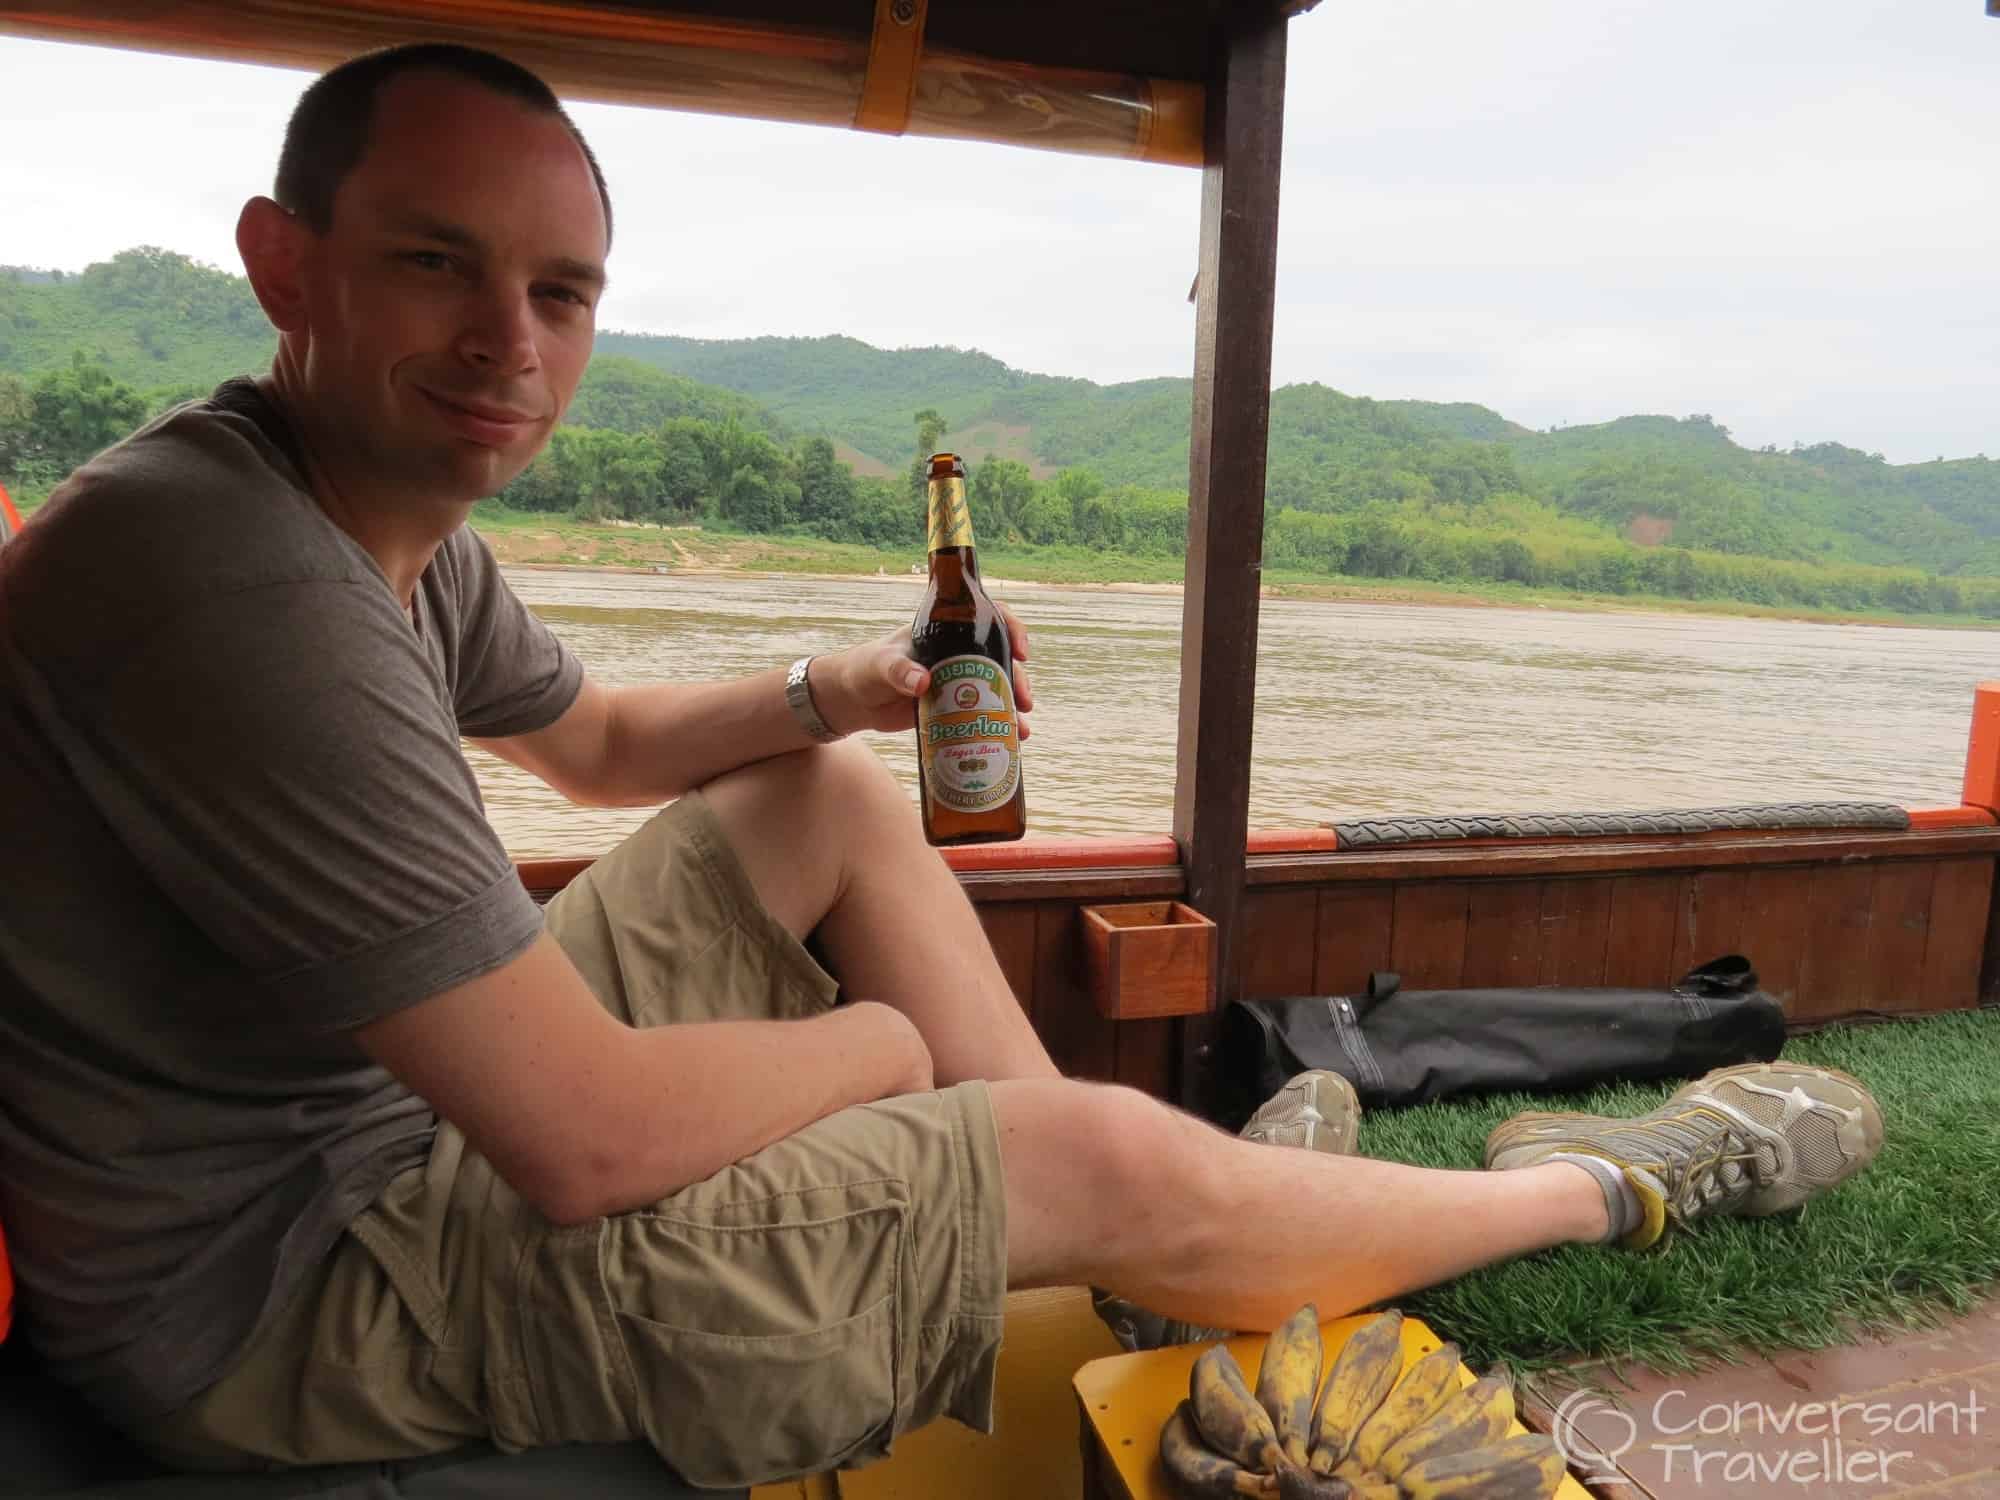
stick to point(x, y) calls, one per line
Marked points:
point(1917, 1415)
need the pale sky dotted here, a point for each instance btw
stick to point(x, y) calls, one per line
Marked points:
point(1783, 214)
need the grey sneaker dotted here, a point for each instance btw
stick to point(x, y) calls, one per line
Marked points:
point(1315, 1111)
point(1137, 1329)
point(1752, 1140)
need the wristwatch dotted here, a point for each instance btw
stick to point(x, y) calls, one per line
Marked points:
point(798, 693)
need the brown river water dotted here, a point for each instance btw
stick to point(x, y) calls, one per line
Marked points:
point(1361, 708)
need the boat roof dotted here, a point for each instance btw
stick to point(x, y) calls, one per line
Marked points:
point(1112, 77)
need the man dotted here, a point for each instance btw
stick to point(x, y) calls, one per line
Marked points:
point(317, 1144)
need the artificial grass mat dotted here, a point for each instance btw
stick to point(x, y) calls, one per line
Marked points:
point(1915, 1236)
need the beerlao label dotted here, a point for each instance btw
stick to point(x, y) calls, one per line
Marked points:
point(968, 736)
point(951, 520)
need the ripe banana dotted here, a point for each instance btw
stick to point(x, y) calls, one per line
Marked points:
point(1201, 1472)
point(1227, 1416)
point(1374, 1436)
point(1432, 1381)
point(1479, 1415)
point(1526, 1466)
point(1288, 1380)
point(1363, 1373)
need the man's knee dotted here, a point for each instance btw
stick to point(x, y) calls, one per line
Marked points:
point(823, 780)
point(1163, 1162)
point(850, 772)
point(1104, 1167)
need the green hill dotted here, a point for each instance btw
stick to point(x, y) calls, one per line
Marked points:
point(157, 321)
point(859, 395)
point(1651, 479)
point(761, 431)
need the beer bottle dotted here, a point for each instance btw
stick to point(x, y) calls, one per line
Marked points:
point(968, 738)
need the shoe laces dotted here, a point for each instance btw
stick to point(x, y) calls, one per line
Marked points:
point(1715, 1159)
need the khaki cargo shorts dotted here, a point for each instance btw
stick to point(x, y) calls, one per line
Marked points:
point(793, 1313)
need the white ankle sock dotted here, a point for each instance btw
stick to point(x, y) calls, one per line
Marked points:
point(1621, 1202)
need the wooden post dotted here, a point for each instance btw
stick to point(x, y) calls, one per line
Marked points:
point(1232, 411)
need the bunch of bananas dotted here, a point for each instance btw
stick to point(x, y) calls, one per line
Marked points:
point(1373, 1432)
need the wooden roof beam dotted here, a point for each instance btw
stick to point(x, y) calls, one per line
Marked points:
point(808, 67)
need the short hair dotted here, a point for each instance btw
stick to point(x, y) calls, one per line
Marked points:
point(329, 129)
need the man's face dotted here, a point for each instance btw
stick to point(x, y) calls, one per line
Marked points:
point(450, 308)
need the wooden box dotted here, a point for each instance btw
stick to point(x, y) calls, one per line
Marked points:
point(1148, 959)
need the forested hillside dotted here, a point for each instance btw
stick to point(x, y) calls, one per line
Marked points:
point(1653, 479)
point(156, 321)
point(819, 435)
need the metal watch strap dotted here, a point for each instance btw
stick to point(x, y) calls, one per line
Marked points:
point(798, 693)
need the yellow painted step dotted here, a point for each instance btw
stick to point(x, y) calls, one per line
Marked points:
point(1033, 1453)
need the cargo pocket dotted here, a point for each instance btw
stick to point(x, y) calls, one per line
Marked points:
point(732, 1410)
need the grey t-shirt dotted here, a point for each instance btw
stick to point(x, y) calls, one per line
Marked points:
point(235, 823)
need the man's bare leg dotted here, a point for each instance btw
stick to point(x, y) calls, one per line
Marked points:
point(833, 846)
point(1109, 1187)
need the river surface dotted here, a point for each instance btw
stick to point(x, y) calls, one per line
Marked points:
point(1361, 708)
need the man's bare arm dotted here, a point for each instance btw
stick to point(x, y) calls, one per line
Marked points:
point(584, 1115)
point(635, 746)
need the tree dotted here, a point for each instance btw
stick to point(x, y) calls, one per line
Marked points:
point(930, 431)
point(884, 517)
point(1076, 488)
point(684, 483)
point(539, 486)
point(757, 501)
point(17, 412)
point(631, 475)
point(826, 488)
point(1000, 490)
point(1046, 518)
point(77, 412)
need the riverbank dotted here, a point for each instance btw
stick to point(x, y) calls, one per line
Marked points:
point(532, 540)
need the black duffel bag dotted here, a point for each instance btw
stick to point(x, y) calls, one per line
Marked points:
point(1400, 1047)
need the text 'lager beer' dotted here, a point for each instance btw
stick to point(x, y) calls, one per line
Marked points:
point(968, 738)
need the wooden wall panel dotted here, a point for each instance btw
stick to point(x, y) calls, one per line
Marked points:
point(1082, 1043)
point(1899, 933)
point(1961, 905)
point(1828, 939)
point(1639, 942)
point(1427, 940)
point(1354, 925)
point(1503, 934)
point(1833, 974)
point(1011, 931)
point(1711, 919)
point(1773, 935)
point(1149, 1056)
point(1280, 941)
point(1576, 918)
